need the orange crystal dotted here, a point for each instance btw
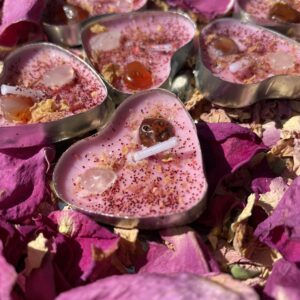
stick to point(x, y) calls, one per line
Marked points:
point(137, 76)
point(59, 12)
point(226, 45)
point(284, 13)
point(155, 130)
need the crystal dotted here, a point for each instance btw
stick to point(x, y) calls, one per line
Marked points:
point(97, 180)
point(137, 76)
point(58, 76)
point(281, 61)
point(153, 131)
point(225, 45)
point(283, 12)
point(59, 12)
point(16, 108)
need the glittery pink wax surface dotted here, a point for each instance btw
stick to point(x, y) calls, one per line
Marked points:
point(170, 182)
point(262, 54)
point(149, 38)
point(96, 7)
point(28, 69)
point(260, 9)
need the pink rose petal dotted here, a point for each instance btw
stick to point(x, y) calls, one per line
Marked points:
point(19, 18)
point(23, 185)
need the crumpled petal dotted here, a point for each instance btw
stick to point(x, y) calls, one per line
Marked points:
point(269, 200)
point(160, 286)
point(282, 229)
point(12, 240)
point(72, 247)
point(8, 277)
point(283, 283)
point(296, 157)
point(262, 176)
point(271, 134)
point(208, 9)
point(217, 208)
point(23, 182)
point(19, 18)
point(290, 127)
point(235, 285)
point(226, 147)
point(96, 242)
point(183, 252)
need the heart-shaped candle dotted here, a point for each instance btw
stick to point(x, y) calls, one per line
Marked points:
point(143, 170)
point(48, 94)
point(63, 19)
point(133, 52)
point(283, 16)
point(241, 63)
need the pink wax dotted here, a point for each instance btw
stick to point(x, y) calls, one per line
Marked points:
point(261, 53)
point(149, 38)
point(167, 183)
point(28, 70)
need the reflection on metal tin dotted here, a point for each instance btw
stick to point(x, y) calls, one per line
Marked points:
point(63, 20)
point(241, 63)
point(138, 51)
point(276, 15)
point(114, 178)
point(49, 95)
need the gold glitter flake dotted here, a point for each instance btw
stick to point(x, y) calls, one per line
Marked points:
point(98, 28)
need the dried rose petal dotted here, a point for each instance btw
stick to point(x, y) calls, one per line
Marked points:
point(208, 9)
point(8, 277)
point(75, 250)
point(183, 252)
point(19, 19)
point(282, 229)
point(283, 283)
point(271, 134)
point(23, 185)
point(226, 148)
point(14, 246)
point(160, 286)
point(269, 200)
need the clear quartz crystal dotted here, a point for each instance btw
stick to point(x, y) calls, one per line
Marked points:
point(58, 76)
point(281, 61)
point(239, 65)
point(106, 41)
point(97, 180)
point(124, 5)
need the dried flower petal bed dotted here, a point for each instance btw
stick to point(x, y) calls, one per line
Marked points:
point(262, 54)
point(150, 40)
point(167, 183)
point(83, 93)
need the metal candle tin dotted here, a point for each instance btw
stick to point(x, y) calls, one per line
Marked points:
point(236, 95)
point(144, 222)
point(177, 61)
point(69, 35)
point(50, 132)
point(291, 30)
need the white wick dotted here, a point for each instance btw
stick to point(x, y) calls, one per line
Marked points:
point(155, 149)
point(18, 90)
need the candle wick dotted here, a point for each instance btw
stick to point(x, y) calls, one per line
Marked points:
point(155, 149)
point(22, 91)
